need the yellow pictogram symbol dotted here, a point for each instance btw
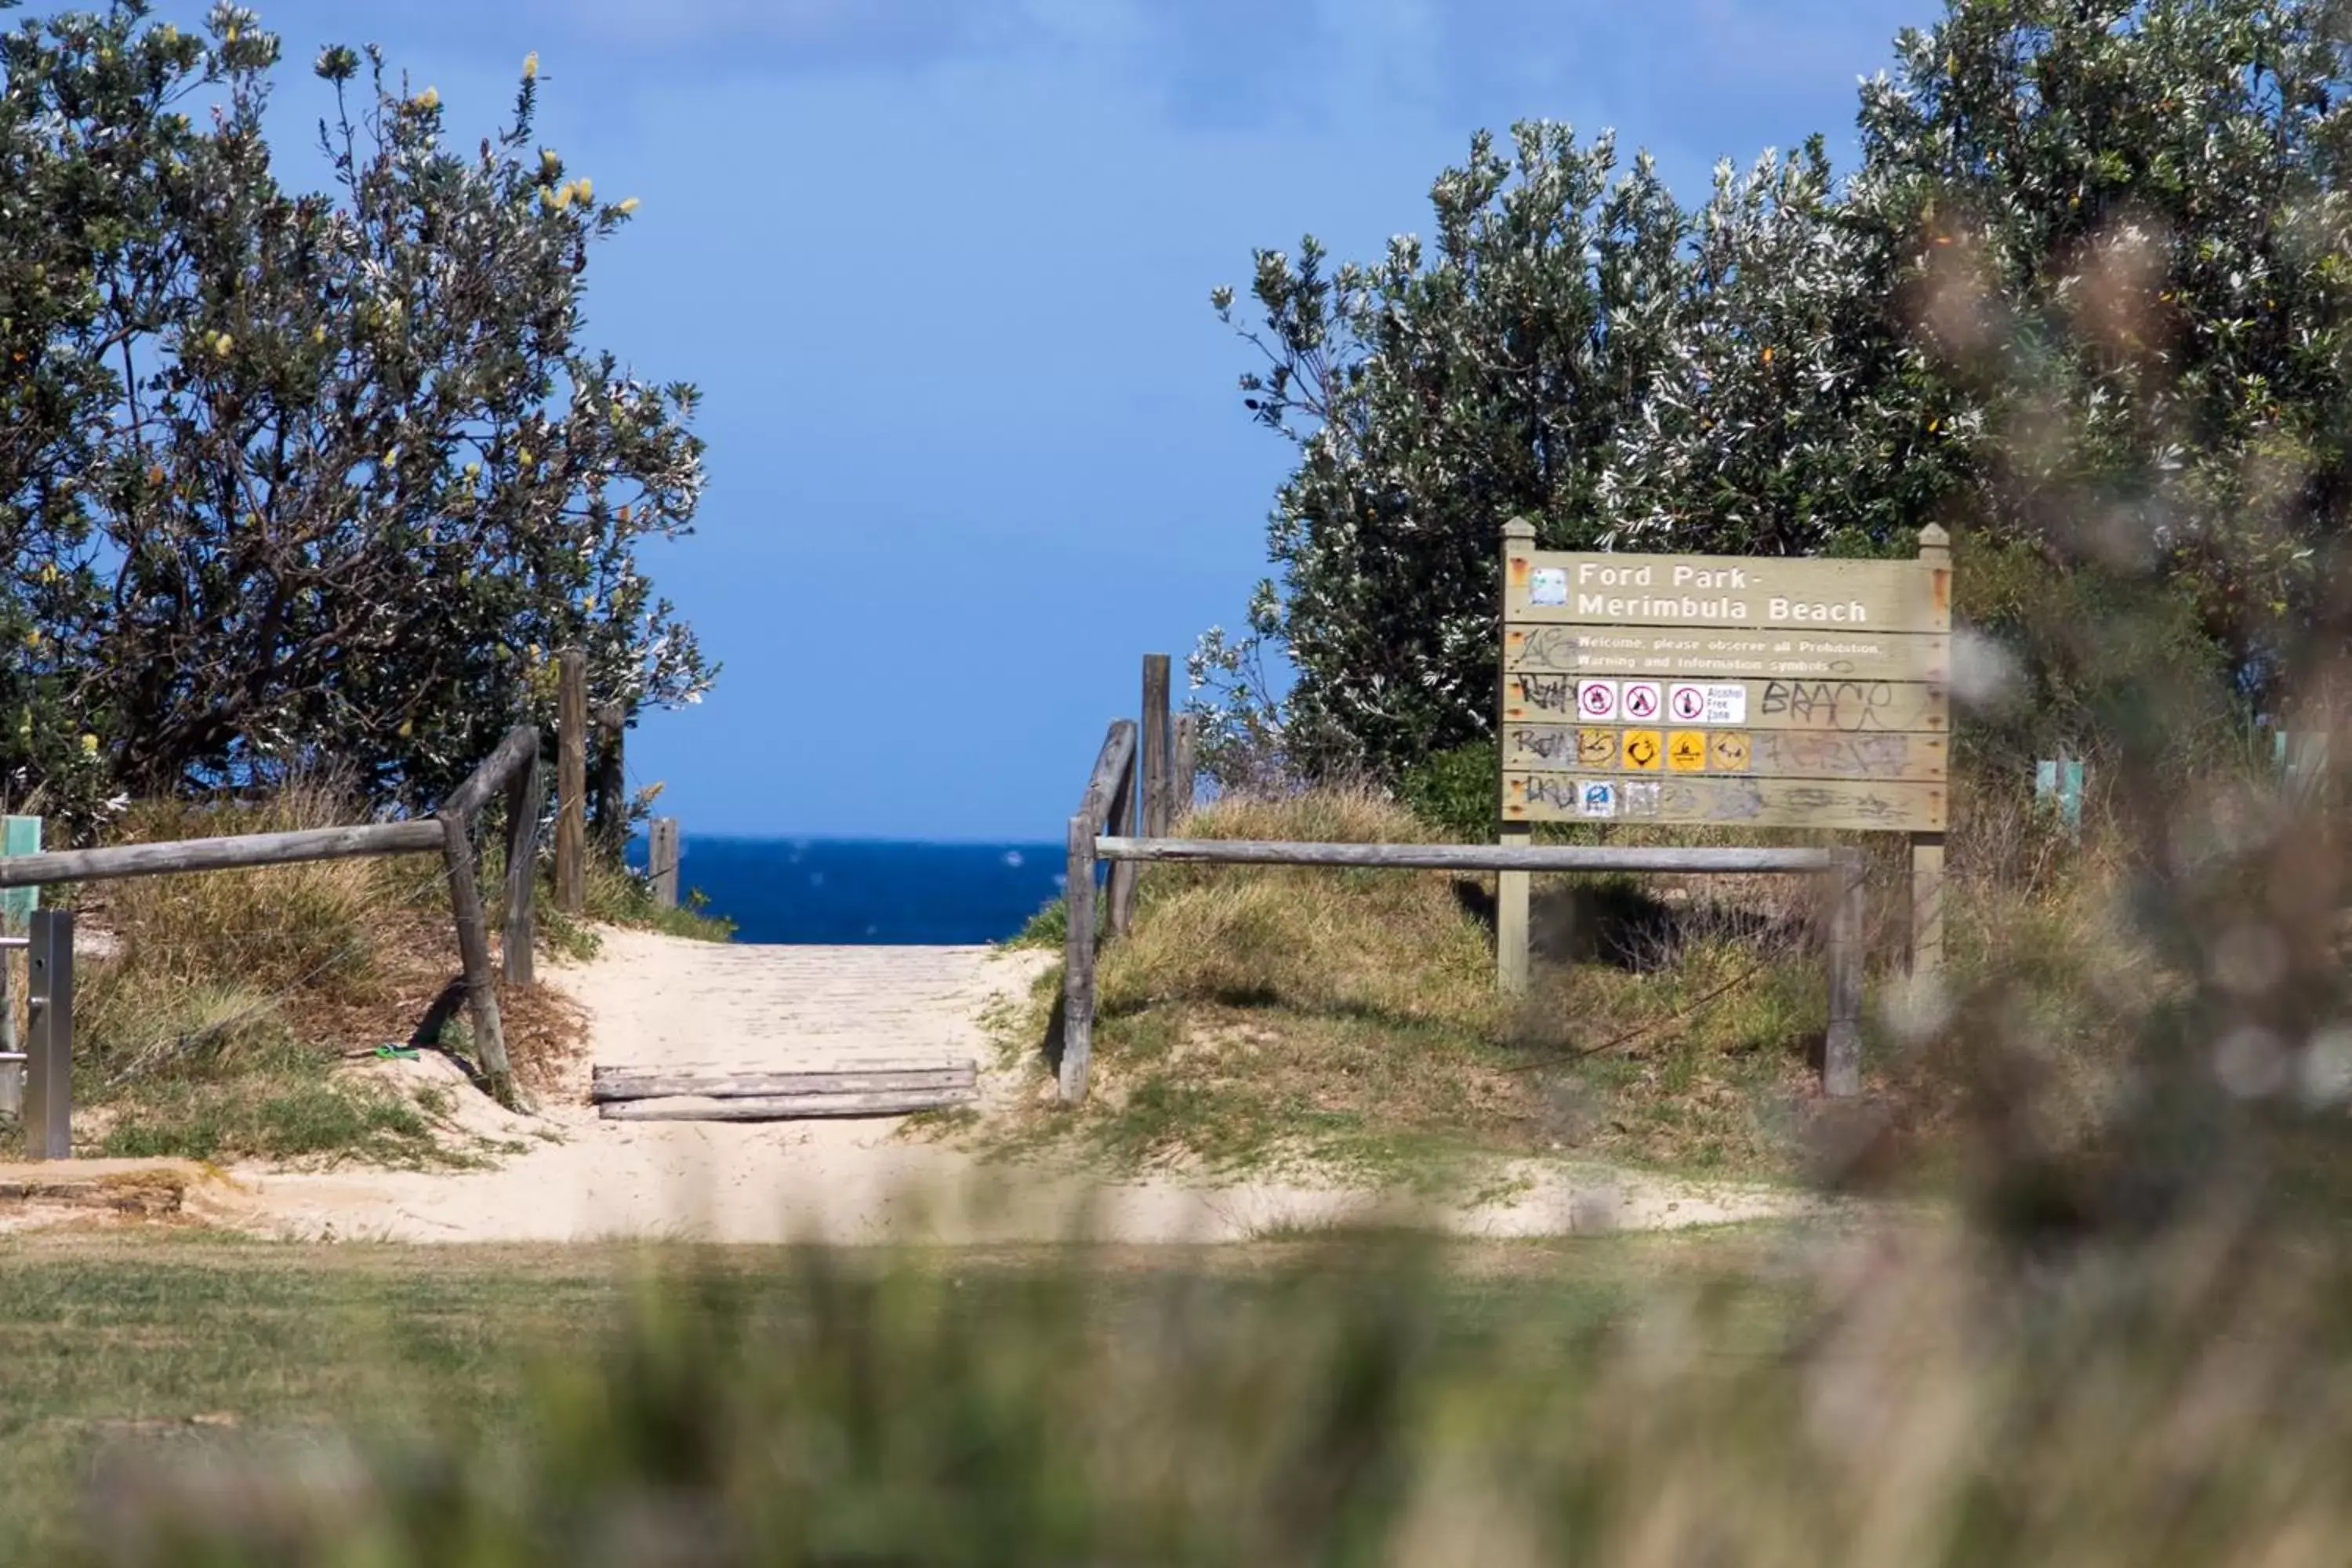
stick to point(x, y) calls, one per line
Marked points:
point(1596, 748)
point(1728, 750)
point(1642, 748)
point(1686, 751)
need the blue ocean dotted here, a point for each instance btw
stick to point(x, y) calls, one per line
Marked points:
point(857, 891)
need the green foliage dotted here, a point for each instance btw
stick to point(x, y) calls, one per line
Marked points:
point(1454, 792)
point(297, 475)
point(1048, 928)
point(2083, 301)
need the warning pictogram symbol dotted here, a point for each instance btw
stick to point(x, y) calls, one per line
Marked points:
point(1596, 748)
point(1642, 749)
point(1597, 700)
point(1689, 704)
point(1728, 750)
point(1686, 751)
point(1642, 699)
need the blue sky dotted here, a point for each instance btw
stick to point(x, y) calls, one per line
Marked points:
point(941, 270)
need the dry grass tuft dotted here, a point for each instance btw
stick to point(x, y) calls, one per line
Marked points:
point(1273, 1014)
point(216, 1020)
point(1350, 1018)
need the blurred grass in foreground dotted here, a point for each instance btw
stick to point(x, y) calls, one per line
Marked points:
point(1791, 1396)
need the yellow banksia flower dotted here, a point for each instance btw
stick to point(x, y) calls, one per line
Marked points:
point(587, 188)
point(531, 65)
point(89, 745)
point(548, 161)
point(629, 205)
point(222, 343)
point(429, 98)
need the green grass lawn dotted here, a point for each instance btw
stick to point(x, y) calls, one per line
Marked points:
point(1777, 1395)
point(167, 1345)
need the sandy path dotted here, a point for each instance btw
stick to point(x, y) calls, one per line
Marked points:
point(654, 999)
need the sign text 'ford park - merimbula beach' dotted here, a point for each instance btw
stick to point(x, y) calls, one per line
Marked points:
point(1726, 690)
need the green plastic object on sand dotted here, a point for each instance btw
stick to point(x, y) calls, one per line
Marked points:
point(397, 1053)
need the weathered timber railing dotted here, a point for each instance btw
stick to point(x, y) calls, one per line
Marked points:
point(1109, 797)
point(1842, 1053)
point(512, 766)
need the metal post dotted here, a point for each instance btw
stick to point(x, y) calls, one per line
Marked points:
point(49, 1087)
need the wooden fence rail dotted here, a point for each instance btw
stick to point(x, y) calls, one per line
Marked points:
point(235, 854)
point(1461, 857)
point(1843, 868)
point(511, 767)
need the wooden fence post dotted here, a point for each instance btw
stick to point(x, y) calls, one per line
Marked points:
point(1156, 812)
point(1513, 891)
point(1927, 848)
point(526, 793)
point(572, 784)
point(1186, 765)
point(661, 861)
point(474, 952)
point(1078, 961)
point(1842, 1051)
point(1126, 812)
point(1114, 777)
point(611, 786)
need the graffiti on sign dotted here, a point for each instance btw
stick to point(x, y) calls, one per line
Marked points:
point(1726, 800)
point(1773, 692)
point(1526, 695)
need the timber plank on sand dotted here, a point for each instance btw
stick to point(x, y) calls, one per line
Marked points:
point(785, 1108)
point(876, 1075)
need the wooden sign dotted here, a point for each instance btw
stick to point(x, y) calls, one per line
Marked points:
point(1723, 801)
point(1725, 690)
point(1840, 707)
point(1651, 653)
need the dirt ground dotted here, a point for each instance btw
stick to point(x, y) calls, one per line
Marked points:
point(571, 1177)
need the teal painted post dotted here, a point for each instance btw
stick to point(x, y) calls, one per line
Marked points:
point(2058, 785)
point(2301, 762)
point(18, 835)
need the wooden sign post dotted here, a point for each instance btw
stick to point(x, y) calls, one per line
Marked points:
point(1727, 691)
